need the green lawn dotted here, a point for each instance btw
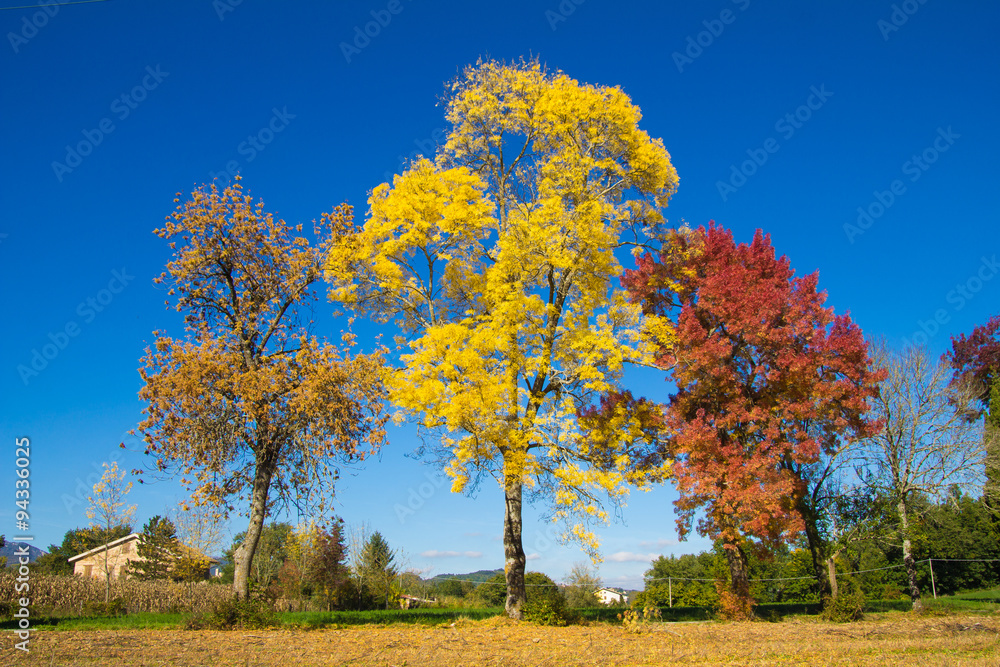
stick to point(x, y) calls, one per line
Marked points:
point(975, 601)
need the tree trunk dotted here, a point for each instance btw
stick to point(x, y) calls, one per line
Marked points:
point(514, 559)
point(107, 574)
point(816, 549)
point(258, 511)
point(908, 563)
point(832, 566)
point(737, 561)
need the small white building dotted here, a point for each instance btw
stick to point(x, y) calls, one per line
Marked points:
point(611, 596)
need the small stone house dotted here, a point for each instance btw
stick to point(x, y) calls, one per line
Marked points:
point(119, 554)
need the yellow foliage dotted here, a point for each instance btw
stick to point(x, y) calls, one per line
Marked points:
point(249, 405)
point(498, 260)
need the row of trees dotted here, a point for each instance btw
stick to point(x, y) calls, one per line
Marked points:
point(958, 533)
point(497, 262)
point(327, 566)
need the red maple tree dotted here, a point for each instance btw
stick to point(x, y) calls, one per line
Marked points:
point(976, 360)
point(767, 380)
point(976, 357)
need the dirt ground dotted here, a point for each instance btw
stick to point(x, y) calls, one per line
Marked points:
point(895, 640)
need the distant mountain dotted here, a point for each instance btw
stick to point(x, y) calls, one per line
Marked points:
point(9, 549)
point(477, 576)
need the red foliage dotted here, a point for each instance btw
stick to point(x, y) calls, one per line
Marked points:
point(767, 379)
point(976, 358)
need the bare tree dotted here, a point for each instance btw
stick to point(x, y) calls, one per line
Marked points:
point(108, 510)
point(357, 537)
point(926, 443)
point(199, 527)
point(582, 584)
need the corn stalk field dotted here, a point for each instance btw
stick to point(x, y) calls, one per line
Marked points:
point(79, 596)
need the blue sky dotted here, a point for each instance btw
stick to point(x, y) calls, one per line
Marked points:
point(861, 135)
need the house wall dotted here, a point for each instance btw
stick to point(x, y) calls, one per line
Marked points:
point(609, 597)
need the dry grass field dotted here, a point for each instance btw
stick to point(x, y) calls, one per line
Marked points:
point(892, 639)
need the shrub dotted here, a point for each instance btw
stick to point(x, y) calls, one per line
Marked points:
point(115, 607)
point(848, 606)
point(253, 613)
point(549, 610)
point(731, 607)
point(635, 621)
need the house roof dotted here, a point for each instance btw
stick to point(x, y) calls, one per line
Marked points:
point(115, 543)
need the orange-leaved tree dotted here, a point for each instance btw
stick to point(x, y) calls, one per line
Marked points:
point(768, 381)
point(248, 405)
point(497, 261)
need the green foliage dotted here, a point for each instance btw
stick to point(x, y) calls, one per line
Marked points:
point(253, 613)
point(545, 603)
point(375, 572)
point(157, 550)
point(452, 587)
point(581, 586)
point(327, 573)
point(270, 555)
point(493, 591)
point(847, 607)
point(672, 575)
point(548, 611)
point(963, 528)
point(112, 608)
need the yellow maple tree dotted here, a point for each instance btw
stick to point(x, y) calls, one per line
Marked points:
point(248, 405)
point(497, 261)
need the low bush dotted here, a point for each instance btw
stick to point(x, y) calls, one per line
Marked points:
point(237, 614)
point(848, 606)
point(731, 607)
point(549, 611)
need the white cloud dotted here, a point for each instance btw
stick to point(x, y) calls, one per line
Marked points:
point(532, 557)
point(658, 544)
point(451, 554)
point(630, 557)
